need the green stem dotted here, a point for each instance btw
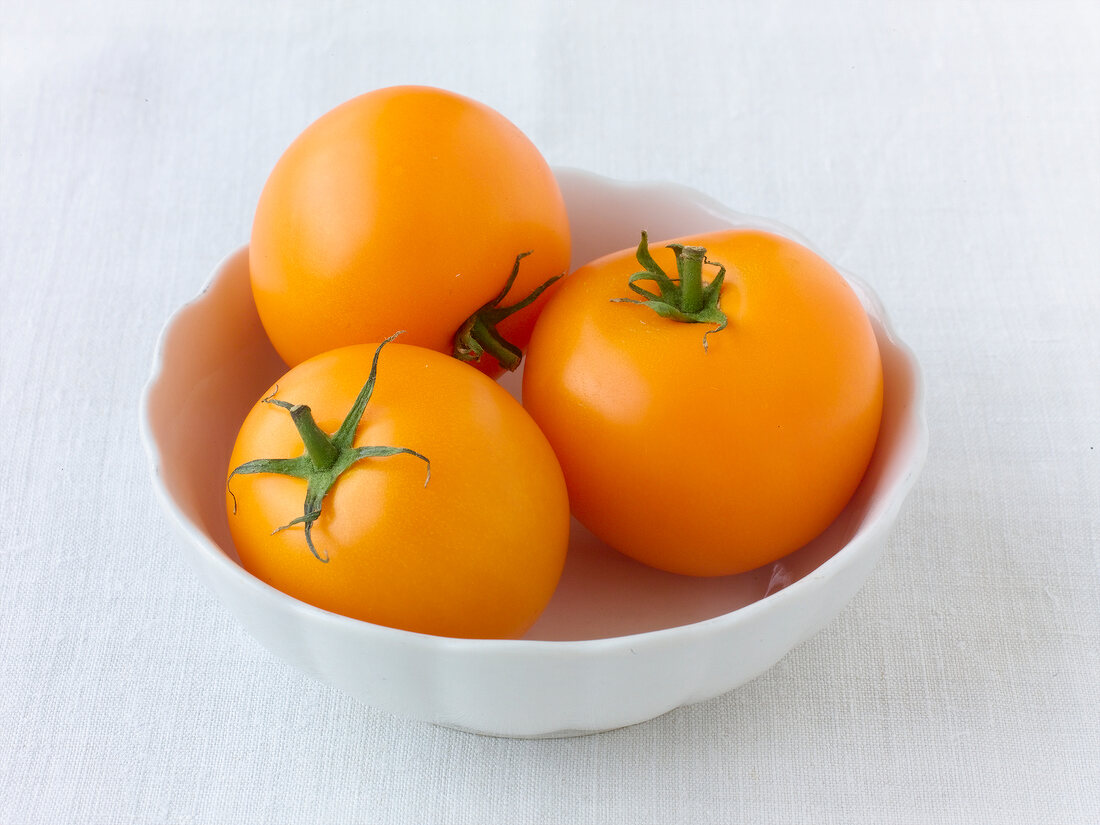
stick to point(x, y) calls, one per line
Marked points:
point(690, 263)
point(322, 452)
point(491, 342)
point(479, 335)
point(685, 298)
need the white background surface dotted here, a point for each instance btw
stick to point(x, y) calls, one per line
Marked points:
point(949, 153)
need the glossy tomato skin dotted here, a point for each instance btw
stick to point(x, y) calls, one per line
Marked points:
point(709, 461)
point(476, 552)
point(403, 209)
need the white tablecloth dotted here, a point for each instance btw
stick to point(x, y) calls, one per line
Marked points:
point(948, 153)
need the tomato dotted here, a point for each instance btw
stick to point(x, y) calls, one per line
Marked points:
point(454, 524)
point(407, 208)
point(713, 444)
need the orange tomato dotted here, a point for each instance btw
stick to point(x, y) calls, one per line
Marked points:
point(708, 460)
point(475, 550)
point(404, 208)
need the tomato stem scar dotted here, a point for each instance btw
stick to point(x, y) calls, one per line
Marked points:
point(478, 334)
point(686, 298)
point(326, 457)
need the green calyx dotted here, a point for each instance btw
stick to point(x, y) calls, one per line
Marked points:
point(686, 298)
point(479, 334)
point(326, 456)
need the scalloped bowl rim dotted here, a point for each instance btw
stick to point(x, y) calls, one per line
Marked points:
point(868, 530)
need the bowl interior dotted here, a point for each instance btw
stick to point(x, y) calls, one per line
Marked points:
point(216, 361)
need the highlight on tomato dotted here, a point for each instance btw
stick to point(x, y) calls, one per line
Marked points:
point(408, 208)
point(396, 485)
point(713, 411)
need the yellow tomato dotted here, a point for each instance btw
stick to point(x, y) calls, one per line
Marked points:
point(474, 550)
point(707, 455)
point(407, 208)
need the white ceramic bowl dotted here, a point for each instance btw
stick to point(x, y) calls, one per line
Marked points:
point(619, 643)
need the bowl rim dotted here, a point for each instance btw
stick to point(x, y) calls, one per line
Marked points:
point(803, 588)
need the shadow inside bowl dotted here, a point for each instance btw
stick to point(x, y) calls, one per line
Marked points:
point(221, 361)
